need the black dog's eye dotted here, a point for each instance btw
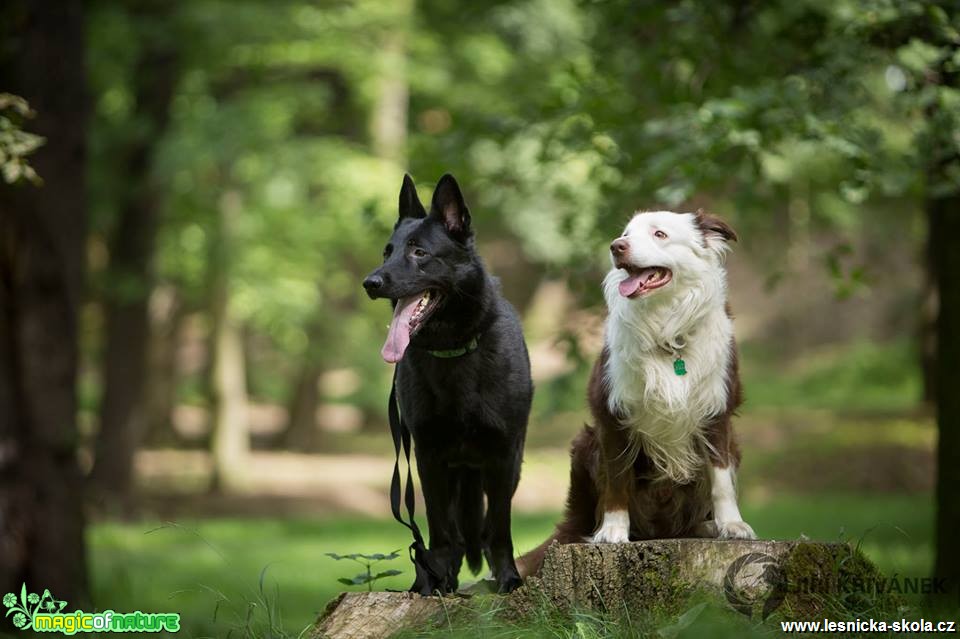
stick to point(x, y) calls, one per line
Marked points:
point(419, 252)
point(660, 235)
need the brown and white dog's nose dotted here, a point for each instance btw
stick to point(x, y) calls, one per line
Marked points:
point(619, 247)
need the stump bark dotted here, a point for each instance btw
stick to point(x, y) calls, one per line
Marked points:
point(754, 577)
point(797, 579)
point(375, 615)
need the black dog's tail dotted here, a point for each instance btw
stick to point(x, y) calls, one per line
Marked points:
point(470, 518)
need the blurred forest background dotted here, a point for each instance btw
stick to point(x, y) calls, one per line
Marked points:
point(193, 191)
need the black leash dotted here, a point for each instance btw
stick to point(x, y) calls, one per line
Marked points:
point(422, 558)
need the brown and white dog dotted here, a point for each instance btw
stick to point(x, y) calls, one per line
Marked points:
point(661, 456)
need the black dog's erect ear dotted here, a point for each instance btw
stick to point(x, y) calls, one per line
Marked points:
point(410, 205)
point(448, 206)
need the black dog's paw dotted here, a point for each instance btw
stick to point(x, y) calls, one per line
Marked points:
point(424, 591)
point(509, 584)
point(430, 587)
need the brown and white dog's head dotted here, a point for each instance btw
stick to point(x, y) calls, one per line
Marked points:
point(662, 253)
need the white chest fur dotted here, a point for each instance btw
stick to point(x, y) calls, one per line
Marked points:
point(665, 411)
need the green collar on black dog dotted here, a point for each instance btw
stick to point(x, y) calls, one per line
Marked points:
point(458, 352)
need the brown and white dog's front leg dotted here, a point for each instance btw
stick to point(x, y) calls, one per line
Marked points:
point(615, 484)
point(726, 512)
point(724, 459)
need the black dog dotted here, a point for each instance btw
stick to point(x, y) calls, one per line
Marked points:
point(463, 382)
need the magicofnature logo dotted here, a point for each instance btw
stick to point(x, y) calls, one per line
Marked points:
point(44, 613)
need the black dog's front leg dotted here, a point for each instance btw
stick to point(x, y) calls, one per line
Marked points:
point(438, 491)
point(499, 483)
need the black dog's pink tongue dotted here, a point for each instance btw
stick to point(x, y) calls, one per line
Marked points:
point(399, 336)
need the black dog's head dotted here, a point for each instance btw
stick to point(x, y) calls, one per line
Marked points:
point(425, 262)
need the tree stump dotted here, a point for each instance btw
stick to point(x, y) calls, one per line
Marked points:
point(376, 615)
point(753, 577)
point(796, 579)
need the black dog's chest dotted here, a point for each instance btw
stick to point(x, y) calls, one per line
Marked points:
point(453, 412)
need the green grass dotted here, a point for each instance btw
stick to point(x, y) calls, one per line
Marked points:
point(857, 376)
point(210, 570)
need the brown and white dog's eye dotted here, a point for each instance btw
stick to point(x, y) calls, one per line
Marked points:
point(660, 235)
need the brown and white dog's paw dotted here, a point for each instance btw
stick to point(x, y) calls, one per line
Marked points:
point(735, 530)
point(615, 529)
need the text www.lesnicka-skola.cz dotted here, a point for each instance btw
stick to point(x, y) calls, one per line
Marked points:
point(869, 625)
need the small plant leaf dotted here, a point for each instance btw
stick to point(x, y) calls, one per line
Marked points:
point(387, 573)
point(375, 557)
point(382, 557)
point(345, 581)
point(339, 557)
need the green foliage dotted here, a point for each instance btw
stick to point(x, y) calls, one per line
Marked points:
point(860, 376)
point(16, 143)
point(560, 118)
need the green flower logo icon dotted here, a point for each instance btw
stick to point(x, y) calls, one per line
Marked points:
point(21, 610)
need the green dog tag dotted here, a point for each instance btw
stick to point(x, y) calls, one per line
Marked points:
point(679, 366)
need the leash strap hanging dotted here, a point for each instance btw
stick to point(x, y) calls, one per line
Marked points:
point(421, 557)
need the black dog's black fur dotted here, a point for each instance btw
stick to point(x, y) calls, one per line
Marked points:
point(467, 414)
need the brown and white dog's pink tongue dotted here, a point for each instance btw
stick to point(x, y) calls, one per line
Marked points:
point(635, 281)
point(399, 336)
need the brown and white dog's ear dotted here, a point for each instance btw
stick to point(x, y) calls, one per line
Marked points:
point(716, 232)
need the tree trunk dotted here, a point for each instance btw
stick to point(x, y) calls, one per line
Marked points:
point(42, 233)
point(230, 440)
point(388, 127)
point(130, 275)
point(166, 314)
point(301, 433)
point(944, 245)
